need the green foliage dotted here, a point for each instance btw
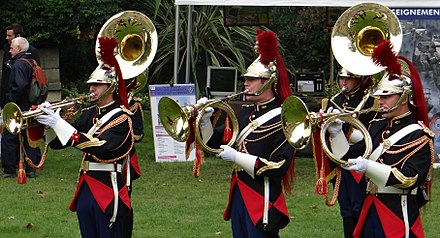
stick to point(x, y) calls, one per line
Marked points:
point(50, 22)
point(75, 89)
point(331, 89)
point(212, 43)
point(72, 26)
point(302, 32)
point(145, 99)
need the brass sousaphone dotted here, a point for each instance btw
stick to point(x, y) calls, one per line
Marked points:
point(354, 36)
point(137, 46)
point(356, 33)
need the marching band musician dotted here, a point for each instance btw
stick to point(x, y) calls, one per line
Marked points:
point(105, 135)
point(263, 158)
point(351, 192)
point(402, 154)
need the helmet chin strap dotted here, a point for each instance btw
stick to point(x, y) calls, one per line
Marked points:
point(271, 81)
point(107, 92)
point(405, 94)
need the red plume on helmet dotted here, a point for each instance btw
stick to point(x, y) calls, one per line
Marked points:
point(418, 95)
point(267, 43)
point(107, 51)
point(384, 56)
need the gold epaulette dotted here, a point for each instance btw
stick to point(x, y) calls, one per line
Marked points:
point(135, 106)
point(426, 129)
point(126, 110)
point(137, 99)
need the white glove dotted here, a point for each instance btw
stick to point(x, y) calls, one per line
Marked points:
point(202, 100)
point(335, 128)
point(49, 119)
point(359, 164)
point(52, 119)
point(206, 118)
point(228, 153)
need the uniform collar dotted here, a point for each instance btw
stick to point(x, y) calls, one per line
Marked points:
point(262, 105)
point(352, 94)
point(399, 119)
point(106, 108)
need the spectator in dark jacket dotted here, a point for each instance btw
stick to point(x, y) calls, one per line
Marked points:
point(12, 31)
point(20, 79)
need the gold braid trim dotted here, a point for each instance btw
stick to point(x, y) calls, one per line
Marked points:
point(262, 137)
point(407, 145)
point(137, 137)
point(266, 128)
point(271, 154)
point(269, 165)
point(419, 143)
point(137, 106)
point(113, 123)
point(334, 198)
point(91, 143)
point(126, 110)
point(406, 181)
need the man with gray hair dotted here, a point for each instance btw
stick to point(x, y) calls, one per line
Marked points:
point(19, 82)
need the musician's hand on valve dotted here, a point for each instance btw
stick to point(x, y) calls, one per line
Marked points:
point(206, 118)
point(49, 119)
point(45, 104)
point(359, 164)
point(335, 128)
point(228, 153)
point(202, 100)
point(333, 110)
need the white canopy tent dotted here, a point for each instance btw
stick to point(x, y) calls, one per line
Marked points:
point(327, 3)
point(278, 3)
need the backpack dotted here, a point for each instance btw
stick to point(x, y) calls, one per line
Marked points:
point(38, 87)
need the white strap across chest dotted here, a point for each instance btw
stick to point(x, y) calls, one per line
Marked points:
point(386, 144)
point(256, 123)
point(103, 120)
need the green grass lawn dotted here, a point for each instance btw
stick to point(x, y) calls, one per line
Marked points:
point(167, 200)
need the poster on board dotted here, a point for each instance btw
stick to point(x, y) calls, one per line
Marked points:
point(165, 147)
point(421, 45)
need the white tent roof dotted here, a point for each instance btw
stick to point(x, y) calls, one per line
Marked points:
point(329, 3)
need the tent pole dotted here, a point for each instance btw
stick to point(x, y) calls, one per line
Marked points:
point(188, 44)
point(176, 44)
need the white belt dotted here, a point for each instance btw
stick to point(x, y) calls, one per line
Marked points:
point(93, 166)
point(393, 190)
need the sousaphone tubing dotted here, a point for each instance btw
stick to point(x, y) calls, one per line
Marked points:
point(137, 39)
point(356, 33)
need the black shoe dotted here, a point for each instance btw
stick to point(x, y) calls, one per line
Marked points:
point(5, 175)
point(31, 175)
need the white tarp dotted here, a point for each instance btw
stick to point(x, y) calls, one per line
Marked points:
point(329, 3)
